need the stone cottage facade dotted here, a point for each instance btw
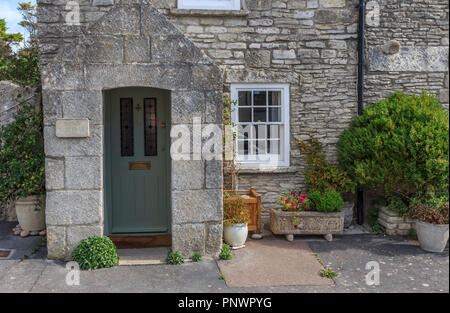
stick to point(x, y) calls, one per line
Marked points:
point(288, 64)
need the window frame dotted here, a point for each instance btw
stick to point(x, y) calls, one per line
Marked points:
point(209, 4)
point(285, 122)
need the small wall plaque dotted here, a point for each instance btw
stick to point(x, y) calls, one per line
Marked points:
point(72, 128)
point(139, 166)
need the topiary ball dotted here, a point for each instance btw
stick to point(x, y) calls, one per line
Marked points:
point(95, 253)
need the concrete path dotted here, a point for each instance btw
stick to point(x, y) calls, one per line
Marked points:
point(404, 268)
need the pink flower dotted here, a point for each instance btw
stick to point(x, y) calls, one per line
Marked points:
point(286, 201)
point(292, 205)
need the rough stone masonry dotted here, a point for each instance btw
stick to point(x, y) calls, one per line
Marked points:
point(309, 44)
point(130, 44)
point(312, 44)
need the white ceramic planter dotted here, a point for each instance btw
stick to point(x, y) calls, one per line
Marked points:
point(432, 238)
point(236, 234)
point(29, 218)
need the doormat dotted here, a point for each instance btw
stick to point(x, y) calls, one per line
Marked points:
point(5, 254)
point(271, 263)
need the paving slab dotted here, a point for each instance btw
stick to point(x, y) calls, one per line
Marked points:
point(202, 277)
point(22, 276)
point(23, 247)
point(273, 262)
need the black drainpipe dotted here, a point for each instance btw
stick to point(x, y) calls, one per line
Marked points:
point(361, 64)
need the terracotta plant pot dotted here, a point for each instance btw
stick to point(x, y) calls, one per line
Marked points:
point(235, 235)
point(30, 218)
point(432, 238)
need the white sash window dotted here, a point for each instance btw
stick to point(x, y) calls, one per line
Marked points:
point(210, 4)
point(261, 115)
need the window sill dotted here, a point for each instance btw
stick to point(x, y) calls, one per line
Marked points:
point(198, 12)
point(268, 170)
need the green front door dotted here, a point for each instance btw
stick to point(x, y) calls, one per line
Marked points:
point(137, 164)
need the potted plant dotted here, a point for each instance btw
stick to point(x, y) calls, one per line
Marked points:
point(322, 176)
point(431, 212)
point(235, 219)
point(250, 198)
point(316, 214)
point(22, 176)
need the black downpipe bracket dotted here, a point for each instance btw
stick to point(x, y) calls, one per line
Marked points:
point(361, 65)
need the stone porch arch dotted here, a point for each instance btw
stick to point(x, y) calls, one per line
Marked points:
point(132, 45)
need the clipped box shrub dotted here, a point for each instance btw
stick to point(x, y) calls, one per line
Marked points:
point(399, 144)
point(326, 202)
point(95, 253)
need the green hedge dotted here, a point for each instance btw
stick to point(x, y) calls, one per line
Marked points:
point(400, 144)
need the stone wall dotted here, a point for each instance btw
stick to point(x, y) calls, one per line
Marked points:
point(310, 44)
point(130, 44)
point(11, 95)
point(395, 224)
point(420, 30)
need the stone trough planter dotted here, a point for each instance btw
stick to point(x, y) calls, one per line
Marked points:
point(309, 223)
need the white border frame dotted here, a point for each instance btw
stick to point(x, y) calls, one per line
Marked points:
point(284, 88)
point(209, 4)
